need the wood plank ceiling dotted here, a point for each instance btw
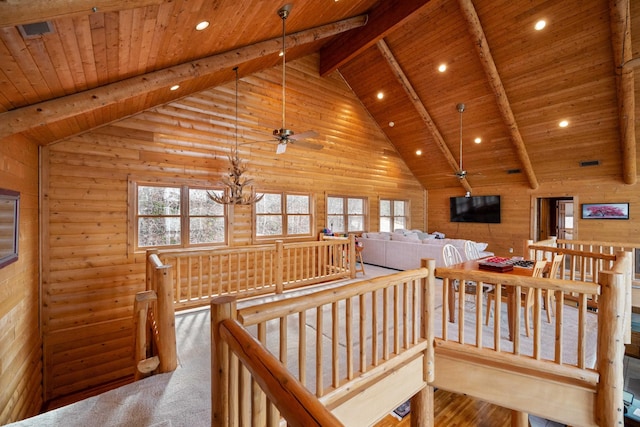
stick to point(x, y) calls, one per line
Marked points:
point(109, 59)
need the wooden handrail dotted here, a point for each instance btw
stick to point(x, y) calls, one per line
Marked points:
point(298, 406)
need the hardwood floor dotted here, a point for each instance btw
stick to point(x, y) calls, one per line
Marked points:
point(454, 410)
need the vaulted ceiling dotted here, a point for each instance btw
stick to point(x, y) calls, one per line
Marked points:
point(108, 59)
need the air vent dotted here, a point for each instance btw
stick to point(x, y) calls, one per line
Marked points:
point(590, 163)
point(513, 171)
point(35, 29)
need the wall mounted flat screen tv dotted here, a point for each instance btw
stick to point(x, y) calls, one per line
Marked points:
point(485, 209)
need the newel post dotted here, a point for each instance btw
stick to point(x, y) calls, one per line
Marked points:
point(163, 278)
point(222, 308)
point(351, 252)
point(149, 277)
point(422, 406)
point(609, 405)
point(279, 266)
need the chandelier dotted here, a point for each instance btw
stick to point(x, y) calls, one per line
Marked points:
point(234, 182)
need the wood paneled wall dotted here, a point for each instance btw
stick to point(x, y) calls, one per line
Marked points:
point(20, 342)
point(518, 207)
point(90, 275)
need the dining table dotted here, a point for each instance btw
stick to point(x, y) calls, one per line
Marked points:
point(475, 265)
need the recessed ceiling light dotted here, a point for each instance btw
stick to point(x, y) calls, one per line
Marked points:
point(478, 140)
point(540, 25)
point(391, 124)
point(174, 87)
point(202, 25)
point(442, 68)
point(380, 95)
point(419, 152)
point(563, 124)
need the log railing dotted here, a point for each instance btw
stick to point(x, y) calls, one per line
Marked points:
point(347, 345)
point(154, 322)
point(249, 271)
point(479, 360)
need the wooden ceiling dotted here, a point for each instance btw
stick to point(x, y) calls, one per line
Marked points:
point(109, 59)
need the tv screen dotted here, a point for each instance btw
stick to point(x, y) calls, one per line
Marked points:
point(484, 209)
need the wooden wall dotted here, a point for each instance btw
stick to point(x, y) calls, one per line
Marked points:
point(90, 275)
point(518, 204)
point(20, 343)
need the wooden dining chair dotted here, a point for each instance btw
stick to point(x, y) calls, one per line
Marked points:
point(451, 255)
point(553, 274)
point(527, 296)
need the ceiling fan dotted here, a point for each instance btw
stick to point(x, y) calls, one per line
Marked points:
point(283, 135)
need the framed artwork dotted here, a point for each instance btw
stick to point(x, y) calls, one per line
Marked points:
point(605, 211)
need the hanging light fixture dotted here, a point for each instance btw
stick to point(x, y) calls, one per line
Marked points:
point(235, 183)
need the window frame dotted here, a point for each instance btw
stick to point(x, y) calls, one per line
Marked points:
point(285, 218)
point(392, 215)
point(345, 212)
point(184, 216)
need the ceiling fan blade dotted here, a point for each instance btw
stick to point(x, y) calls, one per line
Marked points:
point(304, 135)
point(281, 148)
point(309, 145)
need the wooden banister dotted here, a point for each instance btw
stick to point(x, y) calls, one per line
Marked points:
point(297, 405)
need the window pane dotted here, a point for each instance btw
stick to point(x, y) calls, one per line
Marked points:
point(385, 224)
point(206, 230)
point(356, 206)
point(298, 224)
point(201, 204)
point(297, 204)
point(158, 200)
point(399, 222)
point(385, 207)
point(158, 231)
point(270, 203)
point(398, 207)
point(335, 206)
point(356, 223)
point(269, 225)
point(336, 223)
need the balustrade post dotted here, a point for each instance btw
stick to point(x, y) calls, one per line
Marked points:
point(623, 265)
point(222, 308)
point(422, 404)
point(609, 404)
point(279, 266)
point(352, 256)
point(166, 319)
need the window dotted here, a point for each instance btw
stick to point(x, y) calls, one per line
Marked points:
point(345, 214)
point(177, 216)
point(393, 214)
point(283, 215)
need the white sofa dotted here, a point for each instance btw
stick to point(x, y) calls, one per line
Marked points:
point(403, 250)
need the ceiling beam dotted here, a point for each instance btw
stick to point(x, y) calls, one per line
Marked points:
point(46, 112)
point(17, 12)
point(486, 59)
point(422, 110)
point(383, 19)
point(622, 54)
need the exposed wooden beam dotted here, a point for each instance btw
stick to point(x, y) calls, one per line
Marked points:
point(46, 112)
point(383, 19)
point(422, 110)
point(17, 12)
point(622, 54)
point(476, 31)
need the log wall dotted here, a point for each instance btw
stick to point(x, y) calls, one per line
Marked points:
point(90, 275)
point(20, 343)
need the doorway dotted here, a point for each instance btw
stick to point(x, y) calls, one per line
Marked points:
point(555, 217)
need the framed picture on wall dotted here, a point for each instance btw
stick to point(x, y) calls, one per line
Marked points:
point(605, 211)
